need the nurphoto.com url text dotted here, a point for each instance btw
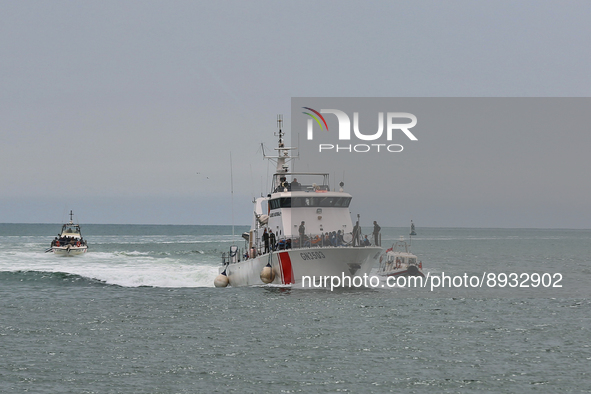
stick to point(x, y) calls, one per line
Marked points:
point(436, 281)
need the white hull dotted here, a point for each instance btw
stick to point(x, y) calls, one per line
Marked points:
point(289, 266)
point(69, 250)
point(416, 271)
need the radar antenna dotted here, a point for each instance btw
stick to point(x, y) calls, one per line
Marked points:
point(283, 156)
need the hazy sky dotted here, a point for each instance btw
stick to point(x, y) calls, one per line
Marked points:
point(127, 111)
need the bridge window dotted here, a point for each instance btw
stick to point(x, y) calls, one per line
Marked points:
point(310, 202)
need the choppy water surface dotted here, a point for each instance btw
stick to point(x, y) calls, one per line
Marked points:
point(139, 313)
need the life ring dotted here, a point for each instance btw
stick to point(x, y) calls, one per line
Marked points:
point(78, 243)
point(316, 240)
point(57, 243)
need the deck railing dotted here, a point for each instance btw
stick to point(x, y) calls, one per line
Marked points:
point(307, 241)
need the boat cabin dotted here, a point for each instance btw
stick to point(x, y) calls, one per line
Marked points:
point(302, 199)
point(70, 230)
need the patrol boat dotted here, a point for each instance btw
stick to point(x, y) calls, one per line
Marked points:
point(69, 241)
point(399, 261)
point(308, 230)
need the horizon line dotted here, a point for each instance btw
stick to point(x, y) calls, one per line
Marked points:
point(247, 225)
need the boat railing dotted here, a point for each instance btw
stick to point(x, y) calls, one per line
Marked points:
point(233, 256)
point(323, 240)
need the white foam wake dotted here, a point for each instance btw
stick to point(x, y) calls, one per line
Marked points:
point(123, 269)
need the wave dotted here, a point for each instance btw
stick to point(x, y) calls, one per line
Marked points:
point(45, 277)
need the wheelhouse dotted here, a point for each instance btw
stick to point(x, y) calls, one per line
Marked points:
point(71, 230)
point(300, 181)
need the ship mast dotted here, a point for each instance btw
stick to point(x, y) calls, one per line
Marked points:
point(283, 154)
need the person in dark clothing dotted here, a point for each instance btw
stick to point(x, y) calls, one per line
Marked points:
point(366, 242)
point(284, 184)
point(302, 231)
point(272, 240)
point(340, 240)
point(356, 234)
point(376, 233)
point(333, 238)
point(266, 240)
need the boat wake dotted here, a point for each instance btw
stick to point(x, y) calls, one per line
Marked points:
point(127, 269)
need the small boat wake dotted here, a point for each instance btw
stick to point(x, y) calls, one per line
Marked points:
point(121, 268)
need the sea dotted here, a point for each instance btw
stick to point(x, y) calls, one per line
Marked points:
point(139, 313)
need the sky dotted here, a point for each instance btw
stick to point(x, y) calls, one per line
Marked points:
point(143, 112)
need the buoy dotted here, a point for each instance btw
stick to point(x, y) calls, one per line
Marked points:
point(267, 274)
point(221, 280)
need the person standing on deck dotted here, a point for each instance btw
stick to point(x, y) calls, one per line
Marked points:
point(266, 240)
point(302, 231)
point(272, 240)
point(356, 234)
point(376, 233)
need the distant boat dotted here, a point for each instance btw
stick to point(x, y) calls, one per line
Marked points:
point(399, 261)
point(412, 228)
point(70, 241)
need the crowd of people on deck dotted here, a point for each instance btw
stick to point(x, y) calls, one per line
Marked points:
point(67, 240)
point(271, 242)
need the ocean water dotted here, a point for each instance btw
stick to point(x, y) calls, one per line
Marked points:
point(139, 314)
